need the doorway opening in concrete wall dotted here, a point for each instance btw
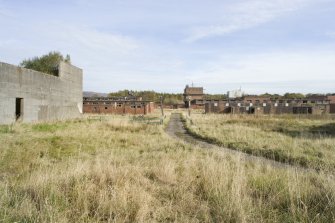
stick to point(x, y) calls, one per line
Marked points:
point(18, 108)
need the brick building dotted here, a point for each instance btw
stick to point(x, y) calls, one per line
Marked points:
point(331, 98)
point(265, 105)
point(194, 96)
point(172, 106)
point(122, 105)
point(332, 103)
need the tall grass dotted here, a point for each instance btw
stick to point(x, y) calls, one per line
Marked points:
point(117, 171)
point(304, 141)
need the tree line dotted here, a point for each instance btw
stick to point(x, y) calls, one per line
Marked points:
point(177, 98)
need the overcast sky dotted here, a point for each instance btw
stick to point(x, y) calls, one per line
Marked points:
point(274, 46)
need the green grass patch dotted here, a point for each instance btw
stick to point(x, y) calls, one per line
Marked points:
point(308, 142)
point(49, 127)
point(4, 129)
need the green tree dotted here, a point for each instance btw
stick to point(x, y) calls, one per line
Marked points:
point(169, 98)
point(47, 63)
point(293, 95)
point(215, 96)
point(268, 95)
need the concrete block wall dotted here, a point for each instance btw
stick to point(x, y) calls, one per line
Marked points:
point(45, 97)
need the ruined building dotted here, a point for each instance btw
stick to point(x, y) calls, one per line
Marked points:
point(266, 105)
point(236, 103)
point(28, 95)
point(332, 103)
point(194, 96)
point(117, 105)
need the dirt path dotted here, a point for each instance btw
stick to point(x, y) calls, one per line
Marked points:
point(176, 129)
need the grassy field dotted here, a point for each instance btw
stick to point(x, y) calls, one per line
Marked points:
point(306, 141)
point(120, 171)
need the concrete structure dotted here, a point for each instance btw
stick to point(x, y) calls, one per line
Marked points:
point(263, 105)
point(118, 106)
point(28, 95)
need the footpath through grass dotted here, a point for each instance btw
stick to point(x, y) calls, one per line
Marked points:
point(119, 171)
point(301, 140)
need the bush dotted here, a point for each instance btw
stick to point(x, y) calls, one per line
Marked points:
point(47, 63)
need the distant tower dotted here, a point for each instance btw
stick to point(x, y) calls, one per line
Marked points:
point(193, 94)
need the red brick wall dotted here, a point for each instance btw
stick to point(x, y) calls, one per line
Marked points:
point(332, 108)
point(255, 100)
point(113, 108)
point(332, 99)
point(197, 106)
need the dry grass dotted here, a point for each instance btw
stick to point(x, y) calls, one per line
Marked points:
point(305, 141)
point(117, 171)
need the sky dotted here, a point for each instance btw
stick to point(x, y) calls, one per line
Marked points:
point(273, 46)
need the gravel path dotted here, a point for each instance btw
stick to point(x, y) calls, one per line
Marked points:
point(176, 130)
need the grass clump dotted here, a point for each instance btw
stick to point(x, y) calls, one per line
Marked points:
point(6, 129)
point(48, 127)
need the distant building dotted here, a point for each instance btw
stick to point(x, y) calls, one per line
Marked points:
point(118, 105)
point(29, 96)
point(172, 106)
point(331, 99)
point(266, 105)
point(235, 93)
point(195, 95)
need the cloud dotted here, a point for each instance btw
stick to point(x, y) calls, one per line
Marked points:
point(5, 12)
point(84, 42)
point(306, 71)
point(279, 87)
point(331, 34)
point(89, 38)
point(99, 53)
point(122, 45)
point(269, 67)
point(245, 15)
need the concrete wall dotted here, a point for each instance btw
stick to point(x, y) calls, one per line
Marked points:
point(45, 97)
